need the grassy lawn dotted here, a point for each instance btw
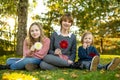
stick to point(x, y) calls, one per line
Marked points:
point(61, 74)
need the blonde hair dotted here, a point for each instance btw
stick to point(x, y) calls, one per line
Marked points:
point(30, 39)
point(87, 33)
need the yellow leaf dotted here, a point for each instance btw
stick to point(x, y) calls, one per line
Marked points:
point(74, 76)
point(65, 72)
point(102, 71)
point(61, 79)
point(117, 75)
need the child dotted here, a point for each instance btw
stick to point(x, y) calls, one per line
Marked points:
point(89, 56)
point(35, 47)
point(62, 50)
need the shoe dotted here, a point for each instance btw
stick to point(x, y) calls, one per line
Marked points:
point(2, 67)
point(77, 65)
point(115, 62)
point(94, 63)
point(31, 67)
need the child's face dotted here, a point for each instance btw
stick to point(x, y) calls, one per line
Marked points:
point(88, 39)
point(66, 24)
point(35, 32)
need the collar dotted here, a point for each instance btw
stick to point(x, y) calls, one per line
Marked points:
point(59, 33)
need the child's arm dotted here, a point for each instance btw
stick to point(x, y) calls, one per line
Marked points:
point(52, 42)
point(26, 50)
point(73, 50)
point(96, 52)
point(82, 53)
point(44, 50)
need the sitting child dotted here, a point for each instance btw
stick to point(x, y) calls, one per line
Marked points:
point(89, 57)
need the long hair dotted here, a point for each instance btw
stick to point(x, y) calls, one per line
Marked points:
point(30, 39)
point(87, 33)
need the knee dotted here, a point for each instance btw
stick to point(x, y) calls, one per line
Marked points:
point(42, 65)
point(48, 57)
point(46, 66)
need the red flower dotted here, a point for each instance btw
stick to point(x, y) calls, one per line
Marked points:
point(63, 44)
point(92, 54)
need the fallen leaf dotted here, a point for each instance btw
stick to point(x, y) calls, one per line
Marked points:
point(74, 76)
point(61, 79)
point(117, 75)
point(102, 71)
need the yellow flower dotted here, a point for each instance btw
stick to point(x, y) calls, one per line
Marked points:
point(38, 45)
point(17, 76)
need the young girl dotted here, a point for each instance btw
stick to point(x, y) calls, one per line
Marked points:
point(89, 56)
point(32, 51)
point(62, 47)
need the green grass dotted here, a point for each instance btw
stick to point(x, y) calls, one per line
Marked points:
point(66, 74)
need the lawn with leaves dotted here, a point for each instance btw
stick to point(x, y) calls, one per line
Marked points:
point(61, 74)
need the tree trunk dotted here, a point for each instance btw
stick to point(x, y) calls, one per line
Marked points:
point(22, 25)
point(101, 49)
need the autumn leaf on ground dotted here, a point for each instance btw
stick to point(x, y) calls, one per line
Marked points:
point(49, 77)
point(46, 77)
point(17, 76)
point(102, 71)
point(118, 67)
point(61, 79)
point(65, 72)
point(117, 75)
point(84, 72)
point(74, 75)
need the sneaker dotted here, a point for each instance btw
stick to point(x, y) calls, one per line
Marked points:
point(2, 67)
point(31, 67)
point(115, 62)
point(94, 63)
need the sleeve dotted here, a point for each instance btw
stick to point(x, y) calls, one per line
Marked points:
point(26, 49)
point(52, 40)
point(73, 50)
point(43, 52)
point(96, 52)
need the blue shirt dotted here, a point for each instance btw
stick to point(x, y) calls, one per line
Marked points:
point(87, 54)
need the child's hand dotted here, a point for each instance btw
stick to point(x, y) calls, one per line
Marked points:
point(58, 51)
point(70, 62)
point(32, 48)
point(85, 45)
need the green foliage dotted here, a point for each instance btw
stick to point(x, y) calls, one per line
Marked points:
point(8, 7)
point(6, 47)
point(88, 15)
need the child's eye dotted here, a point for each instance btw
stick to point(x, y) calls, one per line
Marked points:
point(36, 30)
point(32, 30)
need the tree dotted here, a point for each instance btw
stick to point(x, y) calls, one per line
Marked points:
point(88, 15)
point(22, 24)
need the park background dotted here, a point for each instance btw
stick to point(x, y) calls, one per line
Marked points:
point(101, 17)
